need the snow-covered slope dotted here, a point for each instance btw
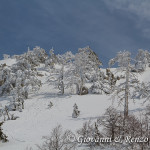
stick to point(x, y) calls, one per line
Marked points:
point(37, 119)
point(145, 76)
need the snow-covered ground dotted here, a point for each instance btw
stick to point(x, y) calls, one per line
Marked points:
point(8, 61)
point(37, 120)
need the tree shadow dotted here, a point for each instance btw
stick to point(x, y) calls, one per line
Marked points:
point(53, 95)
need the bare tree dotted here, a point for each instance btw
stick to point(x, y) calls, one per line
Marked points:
point(112, 122)
point(135, 128)
point(58, 140)
point(90, 130)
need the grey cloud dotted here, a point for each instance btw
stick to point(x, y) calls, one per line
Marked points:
point(107, 26)
point(137, 10)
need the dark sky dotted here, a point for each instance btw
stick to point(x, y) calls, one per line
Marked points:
point(106, 26)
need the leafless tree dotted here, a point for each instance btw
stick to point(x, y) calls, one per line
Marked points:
point(58, 140)
point(90, 130)
point(112, 122)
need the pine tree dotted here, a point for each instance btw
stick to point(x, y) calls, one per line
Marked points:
point(98, 85)
point(84, 68)
point(52, 60)
point(141, 60)
point(76, 112)
point(6, 80)
point(97, 134)
point(35, 56)
point(18, 99)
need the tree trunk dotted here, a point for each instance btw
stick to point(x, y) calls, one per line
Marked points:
point(126, 92)
point(113, 134)
point(77, 88)
point(81, 86)
point(62, 80)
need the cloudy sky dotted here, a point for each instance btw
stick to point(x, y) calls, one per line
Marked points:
point(106, 26)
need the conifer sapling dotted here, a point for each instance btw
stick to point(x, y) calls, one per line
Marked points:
point(76, 112)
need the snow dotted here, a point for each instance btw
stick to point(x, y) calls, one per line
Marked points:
point(37, 120)
point(145, 76)
point(8, 61)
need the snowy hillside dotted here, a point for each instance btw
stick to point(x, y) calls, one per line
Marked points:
point(37, 119)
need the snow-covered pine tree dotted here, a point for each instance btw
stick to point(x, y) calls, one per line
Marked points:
point(148, 58)
point(142, 90)
point(85, 66)
point(98, 83)
point(26, 75)
point(58, 74)
point(103, 83)
point(123, 90)
point(35, 56)
point(6, 80)
point(18, 80)
point(76, 112)
point(51, 60)
point(25, 82)
point(141, 60)
point(18, 98)
point(40, 54)
point(111, 80)
point(85, 63)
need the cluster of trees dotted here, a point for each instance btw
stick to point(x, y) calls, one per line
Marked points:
point(18, 81)
point(74, 72)
point(85, 68)
point(68, 70)
point(21, 78)
point(131, 127)
point(108, 131)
